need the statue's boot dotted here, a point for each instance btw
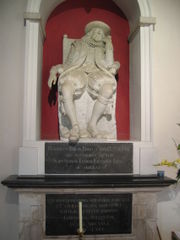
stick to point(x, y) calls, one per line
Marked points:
point(71, 113)
point(74, 133)
point(84, 133)
point(98, 110)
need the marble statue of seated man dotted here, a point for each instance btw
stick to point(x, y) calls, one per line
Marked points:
point(89, 67)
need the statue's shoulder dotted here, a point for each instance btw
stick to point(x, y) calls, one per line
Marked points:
point(77, 42)
point(78, 45)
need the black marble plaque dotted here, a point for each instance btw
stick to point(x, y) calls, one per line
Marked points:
point(88, 158)
point(102, 213)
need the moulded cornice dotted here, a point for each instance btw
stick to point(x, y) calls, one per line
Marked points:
point(35, 17)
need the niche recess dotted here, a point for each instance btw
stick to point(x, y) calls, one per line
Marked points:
point(70, 18)
point(140, 22)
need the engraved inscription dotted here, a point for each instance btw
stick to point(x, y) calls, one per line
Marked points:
point(63, 158)
point(102, 214)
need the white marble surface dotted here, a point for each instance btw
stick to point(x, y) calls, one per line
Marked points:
point(87, 85)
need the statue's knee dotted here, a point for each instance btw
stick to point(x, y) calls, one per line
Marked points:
point(106, 91)
point(67, 90)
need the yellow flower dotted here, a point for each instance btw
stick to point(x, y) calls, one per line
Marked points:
point(177, 160)
point(168, 163)
point(164, 162)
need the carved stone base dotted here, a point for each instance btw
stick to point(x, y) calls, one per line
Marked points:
point(32, 216)
point(138, 191)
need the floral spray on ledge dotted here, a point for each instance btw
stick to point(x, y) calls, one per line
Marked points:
point(175, 164)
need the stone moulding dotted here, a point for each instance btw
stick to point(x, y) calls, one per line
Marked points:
point(32, 201)
point(37, 12)
point(87, 181)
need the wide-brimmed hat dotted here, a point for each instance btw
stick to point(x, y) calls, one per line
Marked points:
point(98, 24)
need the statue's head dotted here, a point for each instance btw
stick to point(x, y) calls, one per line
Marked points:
point(97, 30)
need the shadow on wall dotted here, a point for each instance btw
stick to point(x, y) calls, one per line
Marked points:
point(169, 194)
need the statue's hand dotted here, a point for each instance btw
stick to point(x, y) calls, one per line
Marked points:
point(55, 70)
point(60, 69)
point(113, 71)
point(52, 80)
point(109, 45)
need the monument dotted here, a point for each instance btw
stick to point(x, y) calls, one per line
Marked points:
point(86, 109)
point(89, 70)
point(92, 176)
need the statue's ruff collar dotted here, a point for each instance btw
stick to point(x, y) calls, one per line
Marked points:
point(90, 42)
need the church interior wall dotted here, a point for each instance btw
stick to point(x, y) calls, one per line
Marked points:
point(12, 46)
point(165, 103)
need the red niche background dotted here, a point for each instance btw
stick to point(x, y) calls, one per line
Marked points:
point(70, 18)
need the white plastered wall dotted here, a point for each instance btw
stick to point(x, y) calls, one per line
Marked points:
point(165, 99)
point(12, 41)
point(166, 102)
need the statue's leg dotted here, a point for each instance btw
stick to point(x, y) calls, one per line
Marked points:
point(103, 98)
point(67, 92)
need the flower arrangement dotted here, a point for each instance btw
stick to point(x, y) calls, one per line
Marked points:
point(175, 164)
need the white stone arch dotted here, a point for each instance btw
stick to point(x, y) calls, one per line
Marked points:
point(132, 9)
point(138, 13)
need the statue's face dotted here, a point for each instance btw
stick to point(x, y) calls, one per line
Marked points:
point(98, 35)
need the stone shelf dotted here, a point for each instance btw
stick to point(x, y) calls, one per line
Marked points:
point(86, 181)
point(41, 195)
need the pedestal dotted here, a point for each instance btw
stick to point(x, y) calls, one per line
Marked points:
point(37, 194)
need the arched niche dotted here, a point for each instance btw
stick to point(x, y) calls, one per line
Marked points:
point(70, 18)
point(141, 24)
point(37, 13)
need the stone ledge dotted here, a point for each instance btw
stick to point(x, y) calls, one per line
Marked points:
point(86, 181)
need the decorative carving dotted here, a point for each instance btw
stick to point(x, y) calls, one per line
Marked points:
point(89, 69)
